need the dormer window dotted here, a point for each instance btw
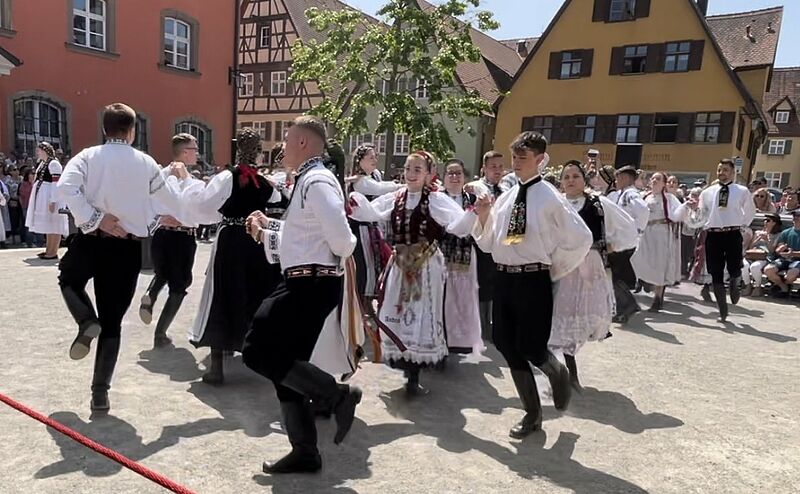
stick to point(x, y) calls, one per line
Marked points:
point(781, 117)
point(622, 10)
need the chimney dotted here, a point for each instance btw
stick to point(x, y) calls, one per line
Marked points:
point(770, 29)
point(522, 48)
point(703, 6)
point(750, 34)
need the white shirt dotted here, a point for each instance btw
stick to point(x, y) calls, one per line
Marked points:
point(369, 186)
point(620, 229)
point(116, 179)
point(481, 188)
point(442, 208)
point(630, 200)
point(740, 210)
point(315, 230)
point(554, 233)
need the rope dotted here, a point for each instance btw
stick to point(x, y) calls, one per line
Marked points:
point(109, 453)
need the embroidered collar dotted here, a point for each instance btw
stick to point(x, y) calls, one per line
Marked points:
point(307, 165)
point(115, 140)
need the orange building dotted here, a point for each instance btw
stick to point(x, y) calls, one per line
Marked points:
point(170, 60)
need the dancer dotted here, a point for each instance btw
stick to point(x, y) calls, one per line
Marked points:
point(461, 318)
point(584, 301)
point(412, 305)
point(113, 191)
point(535, 238)
point(316, 238)
point(726, 208)
point(622, 274)
point(43, 216)
point(238, 277)
point(173, 250)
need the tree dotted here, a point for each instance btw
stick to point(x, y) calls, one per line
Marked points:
point(363, 64)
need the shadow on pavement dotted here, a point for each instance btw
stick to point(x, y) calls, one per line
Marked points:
point(177, 363)
point(619, 411)
point(637, 325)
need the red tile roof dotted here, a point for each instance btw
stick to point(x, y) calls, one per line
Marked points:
point(785, 86)
point(741, 50)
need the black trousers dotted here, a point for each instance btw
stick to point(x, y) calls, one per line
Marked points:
point(724, 249)
point(114, 265)
point(173, 258)
point(623, 279)
point(287, 325)
point(522, 314)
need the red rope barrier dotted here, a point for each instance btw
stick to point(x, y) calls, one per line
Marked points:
point(109, 453)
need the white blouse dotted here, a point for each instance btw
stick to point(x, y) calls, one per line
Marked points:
point(370, 187)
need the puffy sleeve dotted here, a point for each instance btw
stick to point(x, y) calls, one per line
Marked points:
point(638, 206)
point(571, 239)
point(371, 187)
point(55, 169)
point(621, 232)
point(380, 209)
point(328, 207)
point(697, 218)
point(677, 212)
point(484, 233)
point(205, 200)
point(70, 189)
point(450, 215)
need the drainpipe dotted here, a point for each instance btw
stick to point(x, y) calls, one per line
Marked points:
point(235, 78)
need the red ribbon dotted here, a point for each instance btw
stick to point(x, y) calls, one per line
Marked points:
point(248, 173)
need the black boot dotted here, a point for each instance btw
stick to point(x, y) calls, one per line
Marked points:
point(526, 389)
point(160, 339)
point(705, 292)
point(559, 381)
point(309, 380)
point(736, 289)
point(214, 375)
point(573, 373)
point(413, 387)
point(82, 310)
point(298, 422)
point(149, 299)
point(722, 302)
point(105, 360)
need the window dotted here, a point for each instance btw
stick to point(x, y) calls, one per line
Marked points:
point(781, 117)
point(380, 143)
point(706, 127)
point(89, 24)
point(263, 128)
point(627, 128)
point(666, 127)
point(265, 37)
point(402, 144)
point(570, 64)
point(203, 136)
point(585, 129)
point(422, 89)
point(37, 120)
point(777, 146)
point(356, 141)
point(635, 59)
point(141, 140)
point(246, 89)
point(280, 130)
point(622, 10)
point(773, 179)
point(177, 43)
point(278, 83)
point(677, 58)
point(5, 16)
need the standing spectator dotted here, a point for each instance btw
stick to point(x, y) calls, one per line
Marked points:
point(43, 216)
point(3, 200)
point(25, 191)
point(12, 181)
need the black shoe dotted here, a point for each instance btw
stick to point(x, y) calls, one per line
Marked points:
point(529, 395)
point(345, 411)
point(298, 422)
point(83, 342)
point(99, 403)
point(558, 375)
point(105, 361)
point(146, 309)
point(722, 302)
point(705, 292)
point(294, 462)
point(620, 319)
point(736, 290)
point(215, 375)
point(413, 387)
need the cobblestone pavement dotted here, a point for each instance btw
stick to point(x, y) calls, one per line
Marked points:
point(674, 403)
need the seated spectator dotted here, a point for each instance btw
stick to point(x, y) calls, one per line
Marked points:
point(790, 202)
point(786, 257)
point(756, 256)
point(763, 201)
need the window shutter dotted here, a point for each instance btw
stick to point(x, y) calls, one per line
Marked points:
point(527, 124)
point(601, 10)
point(605, 129)
point(642, 9)
point(617, 60)
point(555, 65)
point(696, 55)
point(726, 127)
point(560, 130)
point(787, 148)
point(685, 127)
point(765, 148)
point(655, 58)
point(587, 57)
point(785, 179)
point(646, 128)
point(759, 175)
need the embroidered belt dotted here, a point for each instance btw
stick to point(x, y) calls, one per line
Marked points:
point(226, 221)
point(525, 268)
point(662, 221)
point(311, 271)
point(725, 229)
point(101, 234)
point(183, 229)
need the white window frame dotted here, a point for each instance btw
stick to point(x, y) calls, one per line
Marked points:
point(36, 137)
point(402, 145)
point(172, 55)
point(782, 116)
point(247, 88)
point(777, 147)
point(380, 143)
point(262, 38)
point(359, 140)
point(261, 127)
point(201, 134)
point(627, 132)
point(773, 179)
point(88, 17)
point(278, 83)
point(422, 89)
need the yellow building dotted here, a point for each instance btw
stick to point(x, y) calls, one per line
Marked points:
point(649, 83)
point(779, 160)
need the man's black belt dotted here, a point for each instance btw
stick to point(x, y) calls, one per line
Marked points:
point(524, 268)
point(725, 229)
point(101, 234)
point(183, 229)
point(311, 271)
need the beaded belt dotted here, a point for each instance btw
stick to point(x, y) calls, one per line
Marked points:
point(311, 271)
point(226, 221)
point(725, 229)
point(525, 268)
point(183, 229)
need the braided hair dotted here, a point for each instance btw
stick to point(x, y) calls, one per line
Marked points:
point(358, 155)
point(248, 146)
point(48, 149)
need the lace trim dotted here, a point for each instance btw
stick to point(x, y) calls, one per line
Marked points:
point(93, 222)
point(156, 183)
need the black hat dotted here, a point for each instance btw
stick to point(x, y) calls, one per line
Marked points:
point(629, 169)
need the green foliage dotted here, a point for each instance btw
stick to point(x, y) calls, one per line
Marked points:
point(361, 56)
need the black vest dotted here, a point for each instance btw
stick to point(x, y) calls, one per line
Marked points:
point(246, 198)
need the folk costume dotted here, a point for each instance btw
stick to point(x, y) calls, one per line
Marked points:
point(40, 219)
point(623, 275)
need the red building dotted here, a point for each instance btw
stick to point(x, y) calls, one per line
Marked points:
point(170, 60)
